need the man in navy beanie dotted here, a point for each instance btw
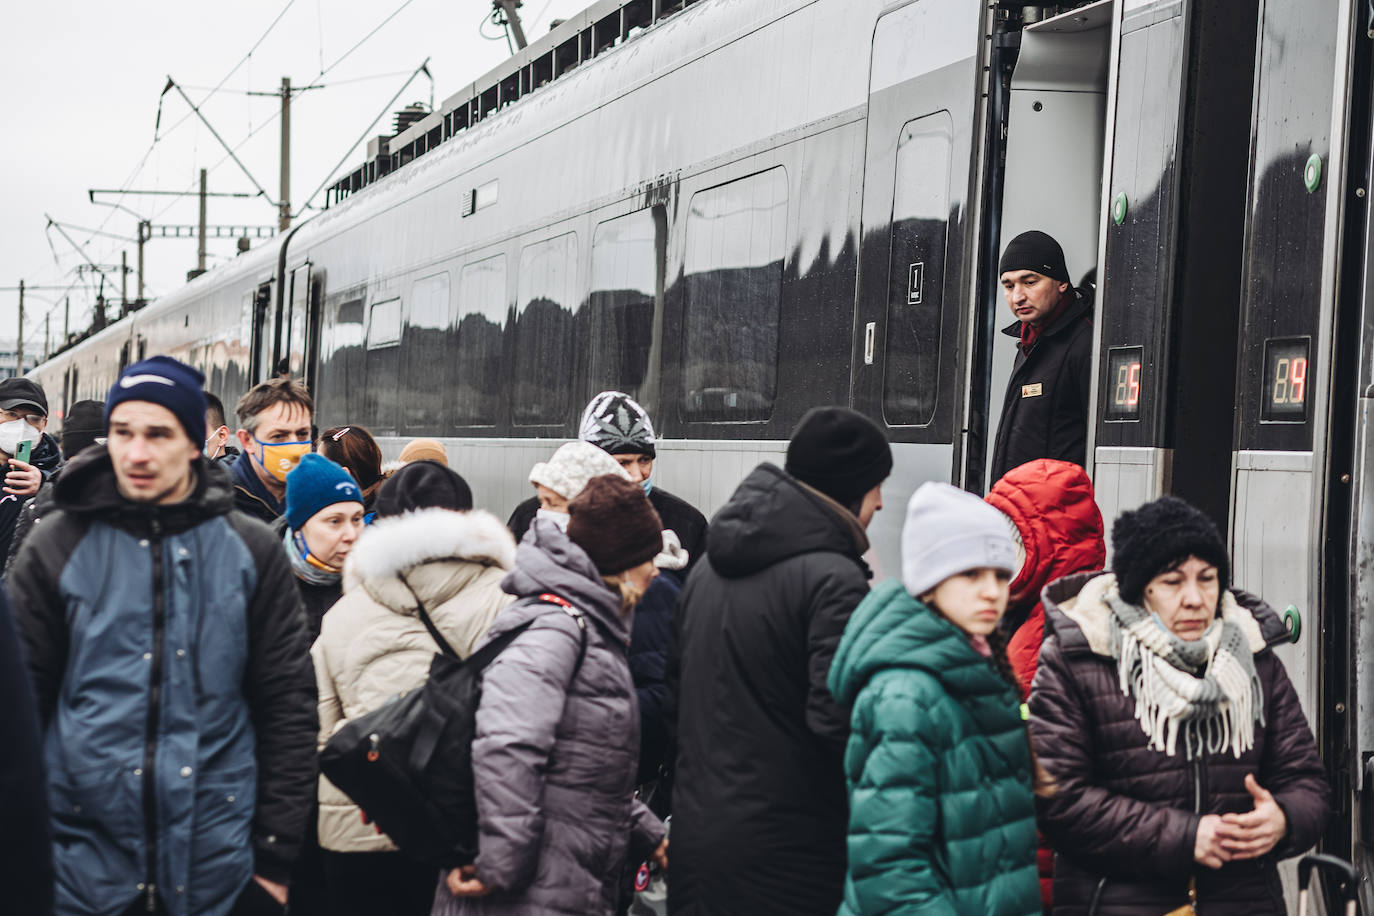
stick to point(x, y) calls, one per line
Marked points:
point(1045, 410)
point(760, 806)
point(166, 645)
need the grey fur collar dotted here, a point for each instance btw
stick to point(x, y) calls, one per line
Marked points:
point(391, 546)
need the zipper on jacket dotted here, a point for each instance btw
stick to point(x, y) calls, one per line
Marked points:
point(154, 718)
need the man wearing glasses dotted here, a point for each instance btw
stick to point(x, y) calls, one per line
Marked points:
point(29, 454)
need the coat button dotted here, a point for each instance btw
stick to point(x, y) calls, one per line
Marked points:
point(142, 543)
point(147, 656)
point(185, 771)
point(229, 798)
point(138, 771)
point(141, 885)
point(181, 653)
point(182, 551)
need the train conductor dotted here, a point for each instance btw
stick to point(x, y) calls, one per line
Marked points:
point(1045, 411)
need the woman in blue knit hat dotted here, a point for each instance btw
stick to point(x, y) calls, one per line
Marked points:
point(324, 516)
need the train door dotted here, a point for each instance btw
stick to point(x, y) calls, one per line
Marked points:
point(264, 318)
point(1172, 241)
point(1056, 111)
point(300, 323)
point(918, 240)
point(1294, 400)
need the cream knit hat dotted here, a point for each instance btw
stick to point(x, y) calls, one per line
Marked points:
point(575, 463)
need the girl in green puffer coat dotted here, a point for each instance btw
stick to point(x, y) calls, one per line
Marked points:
point(940, 773)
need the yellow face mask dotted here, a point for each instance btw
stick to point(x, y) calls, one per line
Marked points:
point(281, 458)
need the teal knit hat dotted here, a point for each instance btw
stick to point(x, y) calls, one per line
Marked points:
point(314, 484)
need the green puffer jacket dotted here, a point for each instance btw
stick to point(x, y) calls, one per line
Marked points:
point(941, 817)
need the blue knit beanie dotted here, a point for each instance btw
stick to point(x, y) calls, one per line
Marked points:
point(163, 381)
point(314, 484)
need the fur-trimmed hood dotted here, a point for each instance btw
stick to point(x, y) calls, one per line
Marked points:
point(436, 551)
point(1076, 610)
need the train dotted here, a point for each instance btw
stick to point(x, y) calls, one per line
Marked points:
point(735, 210)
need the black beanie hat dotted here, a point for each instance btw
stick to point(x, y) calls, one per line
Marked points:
point(423, 485)
point(614, 522)
point(1148, 540)
point(1035, 251)
point(82, 425)
point(840, 452)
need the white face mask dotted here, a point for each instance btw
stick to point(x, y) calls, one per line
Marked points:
point(558, 518)
point(13, 432)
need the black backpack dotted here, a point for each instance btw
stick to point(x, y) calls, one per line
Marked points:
point(408, 764)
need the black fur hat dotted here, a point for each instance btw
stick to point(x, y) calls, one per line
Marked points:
point(1148, 540)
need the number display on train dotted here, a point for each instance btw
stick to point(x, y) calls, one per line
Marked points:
point(1124, 367)
point(1285, 380)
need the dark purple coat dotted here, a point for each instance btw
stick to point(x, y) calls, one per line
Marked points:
point(1122, 819)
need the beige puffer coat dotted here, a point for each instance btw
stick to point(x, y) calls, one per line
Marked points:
point(373, 645)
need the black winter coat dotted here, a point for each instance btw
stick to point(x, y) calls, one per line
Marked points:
point(760, 809)
point(1045, 409)
point(677, 515)
point(26, 871)
point(1122, 817)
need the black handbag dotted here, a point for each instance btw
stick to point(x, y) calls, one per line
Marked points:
point(408, 764)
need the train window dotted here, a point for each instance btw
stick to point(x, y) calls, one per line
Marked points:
point(427, 371)
point(299, 318)
point(916, 270)
point(475, 390)
point(341, 359)
point(384, 324)
point(735, 245)
point(544, 347)
point(626, 297)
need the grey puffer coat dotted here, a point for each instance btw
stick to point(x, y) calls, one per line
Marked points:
point(556, 747)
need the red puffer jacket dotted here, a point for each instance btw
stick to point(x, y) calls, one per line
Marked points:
point(1054, 509)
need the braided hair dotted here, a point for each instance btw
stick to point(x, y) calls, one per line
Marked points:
point(1041, 781)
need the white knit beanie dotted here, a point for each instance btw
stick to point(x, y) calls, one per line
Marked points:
point(575, 463)
point(948, 531)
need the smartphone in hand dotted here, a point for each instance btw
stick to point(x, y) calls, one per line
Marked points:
point(24, 452)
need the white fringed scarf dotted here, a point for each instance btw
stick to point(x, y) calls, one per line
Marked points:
point(1206, 688)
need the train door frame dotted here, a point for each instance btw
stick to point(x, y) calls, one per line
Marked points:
point(1049, 105)
point(928, 61)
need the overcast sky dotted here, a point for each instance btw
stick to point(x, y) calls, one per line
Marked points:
point(82, 82)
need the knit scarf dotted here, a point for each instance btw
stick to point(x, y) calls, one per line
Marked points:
point(308, 569)
point(1205, 688)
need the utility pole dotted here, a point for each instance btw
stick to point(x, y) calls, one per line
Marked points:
point(200, 249)
point(284, 200)
point(145, 232)
point(513, 20)
point(20, 364)
point(47, 341)
point(123, 281)
point(67, 321)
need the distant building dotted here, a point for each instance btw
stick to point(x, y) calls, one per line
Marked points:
point(9, 358)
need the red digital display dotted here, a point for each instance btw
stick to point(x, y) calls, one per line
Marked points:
point(1285, 380)
point(1124, 368)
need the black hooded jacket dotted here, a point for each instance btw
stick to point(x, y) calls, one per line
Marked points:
point(759, 804)
point(16, 512)
point(1045, 410)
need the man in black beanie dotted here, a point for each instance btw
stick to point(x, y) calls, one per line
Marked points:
point(1045, 411)
point(759, 804)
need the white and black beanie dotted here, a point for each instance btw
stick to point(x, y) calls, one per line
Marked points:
point(615, 423)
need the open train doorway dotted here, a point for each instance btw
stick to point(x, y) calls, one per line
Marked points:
point(1056, 132)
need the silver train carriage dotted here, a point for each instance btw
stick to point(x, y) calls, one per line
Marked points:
point(735, 211)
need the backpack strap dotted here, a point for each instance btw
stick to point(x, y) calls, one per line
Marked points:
point(425, 619)
point(578, 618)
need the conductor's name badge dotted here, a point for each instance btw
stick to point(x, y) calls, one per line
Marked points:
point(1032, 391)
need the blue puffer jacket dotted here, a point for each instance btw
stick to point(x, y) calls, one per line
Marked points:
point(168, 651)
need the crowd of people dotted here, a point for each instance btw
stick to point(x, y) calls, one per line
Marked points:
point(1006, 728)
